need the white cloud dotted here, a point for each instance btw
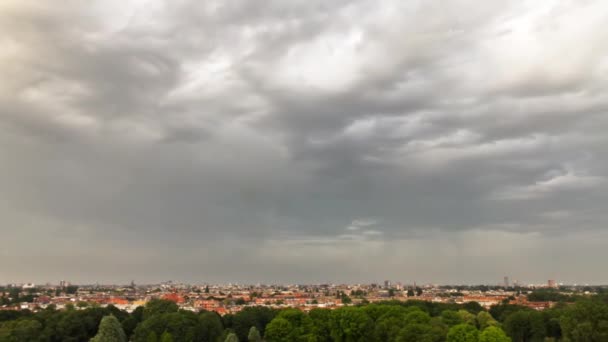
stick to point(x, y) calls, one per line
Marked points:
point(555, 182)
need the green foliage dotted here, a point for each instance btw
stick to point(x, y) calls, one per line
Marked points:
point(232, 337)
point(72, 289)
point(467, 317)
point(451, 318)
point(166, 337)
point(549, 295)
point(345, 299)
point(158, 306)
point(152, 337)
point(13, 315)
point(390, 321)
point(129, 325)
point(525, 326)
point(138, 314)
point(182, 325)
point(502, 311)
point(254, 335)
point(493, 334)
point(279, 330)
point(351, 324)
point(416, 316)
point(463, 333)
point(484, 320)
point(321, 324)
point(249, 317)
point(473, 307)
point(586, 321)
point(212, 327)
point(20, 331)
point(388, 325)
point(291, 325)
point(433, 331)
point(110, 330)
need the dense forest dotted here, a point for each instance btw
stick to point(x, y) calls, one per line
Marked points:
point(586, 320)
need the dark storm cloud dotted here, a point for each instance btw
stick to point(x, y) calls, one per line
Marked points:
point(303, 137)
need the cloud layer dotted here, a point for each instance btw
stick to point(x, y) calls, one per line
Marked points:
point(303, 141)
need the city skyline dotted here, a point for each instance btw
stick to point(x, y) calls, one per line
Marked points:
point(303, 141)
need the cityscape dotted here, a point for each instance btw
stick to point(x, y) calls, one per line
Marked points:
point(303, 171)
point(384, 311)
point(231, 298)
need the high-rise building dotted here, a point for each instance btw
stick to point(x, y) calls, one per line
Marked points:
point(551, 283)
point(506, 281)
point(387, 284)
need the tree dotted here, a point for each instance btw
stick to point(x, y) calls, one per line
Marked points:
point(110, 330)
point(254, 335)
point(417, 317)
point(351, 324)
point(23, 330)
point(166, 337)
point(183, 326)
point(388, 326)
point(586, 321)
point(484, 320)
point(243, 320)
point(70, 327)
point(502, 311)
point(463, 333)
point(138, 314)
point(71, 289)
point(467, 317)
point(345, 299)
point(554, 329)
point(321, 324)
point(279, 330)
point(212, 327)
point(451, 318)
point(129, 325)
point(231, 338)
point(302, 325)
point(493, 334)
point(525, 326)
point(159, 306)
point(417, 332)
point(152, 337)
point(473, 307)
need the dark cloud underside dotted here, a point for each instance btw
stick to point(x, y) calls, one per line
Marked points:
point(303, 141)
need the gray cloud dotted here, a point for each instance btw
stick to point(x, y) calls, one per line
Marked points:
point(303, 141)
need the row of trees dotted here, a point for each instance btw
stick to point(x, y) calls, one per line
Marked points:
point(416, 321)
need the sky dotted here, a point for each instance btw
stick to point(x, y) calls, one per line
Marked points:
point(303, 141)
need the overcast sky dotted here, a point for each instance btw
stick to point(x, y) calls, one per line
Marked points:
point(303, 141)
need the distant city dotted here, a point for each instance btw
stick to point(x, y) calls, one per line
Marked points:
point(232, 298)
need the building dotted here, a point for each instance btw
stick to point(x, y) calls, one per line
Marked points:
point(551, 283)
point(506, 281)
